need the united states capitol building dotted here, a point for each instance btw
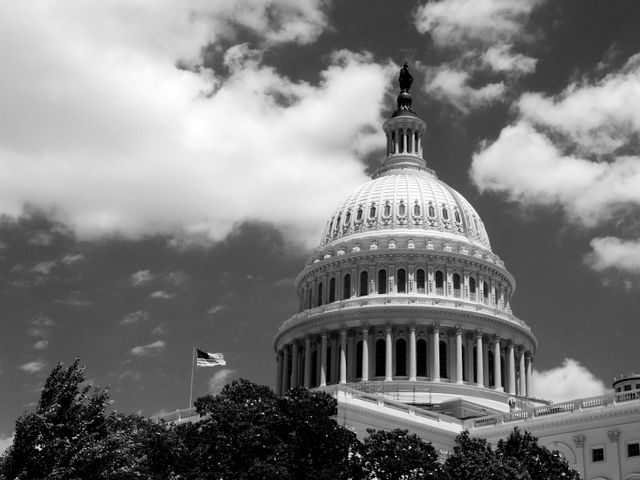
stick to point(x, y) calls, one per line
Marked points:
point(404, 316)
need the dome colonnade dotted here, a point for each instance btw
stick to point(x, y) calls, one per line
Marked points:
point(404, 288)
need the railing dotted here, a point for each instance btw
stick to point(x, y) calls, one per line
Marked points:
point(555, 408)
point(403, 299)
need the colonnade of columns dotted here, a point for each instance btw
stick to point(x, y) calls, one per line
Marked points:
point(412, 353)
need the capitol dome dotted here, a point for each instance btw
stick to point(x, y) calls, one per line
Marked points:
point(404, 295)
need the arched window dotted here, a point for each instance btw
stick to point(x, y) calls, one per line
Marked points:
point(472, 285)
point(319, 298)
point(332, 290)
point(364, 283)
point(331, 227)
point(445, 213)
point(485, 290)
point(387, 210)
point(401, 357)
point(338, 223)
point(346, 286)
point(432, 211)
point(347, 218)
point(439, 280)
point(382, 281)
point(359, 359)
point(381, 357)
point(416, 209)
point(456, 214)
point(456, 284)
point(420, 280)
point(443, 360)
point(421, 357)
point(359, 214)
point(372, 211)
point(402, 209)
point(402, 280)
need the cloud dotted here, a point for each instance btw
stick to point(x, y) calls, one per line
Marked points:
point(162, 295)
point(479, 38)
point(141, 277)
point(34, 366)
point(44, 268)
point(71, 259)
point(159, 330)
point(152, 349)
point(134, 318)
point(466, 22)
point(566, 382)
point(220, 379)
point(41, 344)
point(452, 85)
point(612, 252)
point(216, 308)
point(5, 442)
point(114, 137)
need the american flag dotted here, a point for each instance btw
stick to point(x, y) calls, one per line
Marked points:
point(205, 359)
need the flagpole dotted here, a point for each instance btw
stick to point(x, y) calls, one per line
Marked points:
point(193, 361)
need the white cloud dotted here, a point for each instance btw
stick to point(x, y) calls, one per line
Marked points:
point(41, 344)
point(141, 277)
point(151, 349)
point(452, 85)
point(113, 137)
point(463, 22)
point(5, 442)
point(34, 366)
point(216, 308)
point(134, 318)
point(162, 295)
point(71, 259)
point(220, 379)
point(612, 252)
point(44, 268)
point(566, 382)
point(501, 59)
point(159, 330)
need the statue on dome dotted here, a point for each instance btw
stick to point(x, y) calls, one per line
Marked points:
point(405, 79)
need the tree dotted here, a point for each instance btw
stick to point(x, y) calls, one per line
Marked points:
point(540, 463)
point(473, 459)
point(390, 455)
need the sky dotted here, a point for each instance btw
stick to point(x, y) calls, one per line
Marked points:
point(167, 166)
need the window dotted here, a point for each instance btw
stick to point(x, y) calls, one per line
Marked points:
point(415, 140)
point(372, 211)
point(457, 217)
point(456, 281)
point(402, 209)
point(416, 209)
point(338, 223)
point(597, 454)
point(401, 142)
point(633, 449)
point(472, 285)
point(439, 279)
point(382, 281)
point(401, 357)
point(387, 209)
point(445, 213)
point(627, 388)
point(485, 290)
point(332, 290)
point(346, 287)
point(432, 211)
point(402, 281)
point(421, 357)
point(409, 141)
point(393, 142)
point(347, 218)
point(420, 280)
point(359, 214)
point(380, 357)
point(364, 283)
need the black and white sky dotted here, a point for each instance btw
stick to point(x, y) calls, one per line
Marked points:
point(166, 167)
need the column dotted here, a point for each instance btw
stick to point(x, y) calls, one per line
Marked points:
point(614, 458)
point(323, 360)
point(581, 461)
point(479, 359)
point(435, 350)
point(295, 360)
point(485, 362)
point(286, 374)
point(511, 361)
point(351, 358)
point(279, 373)
point(307, 362)
point(388, 364)
point(469, 358)
point(529, 366)
point(497, 368)
point(521, 388)
point(343, 356)
point(365, 354)
point(451, 354)
point(459, 355)
point(412, 353)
